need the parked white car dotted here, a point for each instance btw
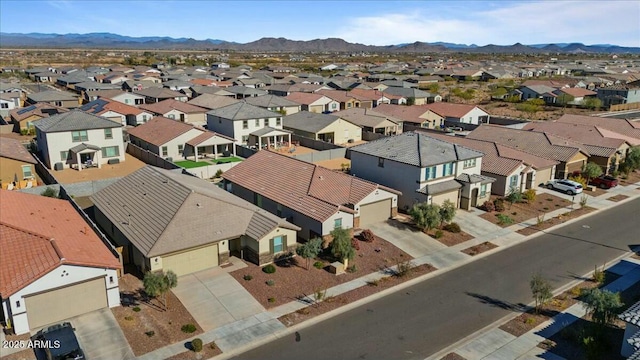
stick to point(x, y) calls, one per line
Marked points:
point(567, 186)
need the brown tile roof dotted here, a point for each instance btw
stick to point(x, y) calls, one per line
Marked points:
point(304, 98)
point(211, 101)
point(303, 187)
point(337, 95)
point(167, 105)
point(204, 82)
point(450, 109)
point(366, 94)
point(109, 94)
point(578, 92)
point(621, 126)
point(406, 113)
point(540, 144)
point(39, 109)
point(159, 130)
point(38, 233)
point(206, 136)
point(13, 149)
point(587, 135)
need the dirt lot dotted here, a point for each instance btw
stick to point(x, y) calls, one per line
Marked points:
point(555, 221)
point(449, 238)
point(351, 296)
point(520, 212)
point(480, 248)
point(151, 316)
point(295, 281)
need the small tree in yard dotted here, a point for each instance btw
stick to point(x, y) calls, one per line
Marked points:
point(310, 249)
point(514, 196)
point(602, 305)
point(159, 283)
point(426, 216)
point(591, 170)
point(631, 161)
point(541, 291)
point(447, 212)
point(341, 246)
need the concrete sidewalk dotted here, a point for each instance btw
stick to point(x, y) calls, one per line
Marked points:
point(241, 334)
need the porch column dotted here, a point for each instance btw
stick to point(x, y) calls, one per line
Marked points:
point(259, 142)
point(195, 151)
point(289, 139)
point(233, 148)
point(215, 151)
point(78, 162)
point(99, 158)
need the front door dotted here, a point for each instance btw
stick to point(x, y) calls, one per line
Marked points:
point(474, 197)
point(235, 247)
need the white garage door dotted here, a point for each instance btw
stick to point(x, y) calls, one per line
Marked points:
point(64, 303)
point(440, 198)
point(374, 213)
point(192, 261)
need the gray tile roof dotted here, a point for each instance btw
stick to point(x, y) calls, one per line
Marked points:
point(268, 130)
point(407, 92)
point(245, 90)
point(475, 178)
point(243, 111)
point(84, 146)
point(52, 95)
point(72, 121)
point(416, 149)
point(634, 341)
point(162, 211)
point(440, 187)
point(268, 101)
point(632, 314)
point(308, 121)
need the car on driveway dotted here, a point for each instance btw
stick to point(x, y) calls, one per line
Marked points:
point(567, 186)
point(604, 182)
point(59, 342)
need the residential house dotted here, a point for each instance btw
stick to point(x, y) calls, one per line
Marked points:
point(325, 127)
point(163, 220)
point(346, 101)
point(442, 112)
point(178, 110)
point(85, 86)
point(371, 121)
point(127, 98)
point(62, 99)
point(23, 118)
point(117, 111)
point(17, 165)
point(315, 103)
point(370, 97)
point(79, 140)
point(177, 85)
point(175, 140)
point(510, 167)
point(570, 155)
point(137, 85)
point(536, 92)
point(210, 102)
point(605, 151)
point(248, 124)
point(154, 95)
point(242, 92)
point(419, 97)
point(9, 101)
point(573, 96)
point(611, 127)
point(630, 348)
point(275, 103)
point(619, 94)
point(411, 116)
point(424, 169)
point(314, 198)
point(51, 256)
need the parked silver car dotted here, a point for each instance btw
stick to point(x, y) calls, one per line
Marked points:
point(567, 186)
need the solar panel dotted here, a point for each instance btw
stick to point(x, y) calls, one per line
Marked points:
point(27, 109)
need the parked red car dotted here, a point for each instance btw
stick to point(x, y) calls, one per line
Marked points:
point(604, 182)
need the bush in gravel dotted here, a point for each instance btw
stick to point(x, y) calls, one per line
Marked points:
point(452, 228)
point(403, 267)
point(318, 264)
point(355, 244)
point(504, 219)
point(488, 206)
point(367, 236)
point(128, 318)
point(353, 268)
point(271, 299)
point(269, 269)
point(188, 328)
point(150, 333)
point(438, 234)
point(270, 282)
point(530, 195)
point(499, 204)
point(247, 277)
point(136, 308)
point(196, 344)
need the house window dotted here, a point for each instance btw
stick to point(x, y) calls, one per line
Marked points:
point(4, 105)
point(278, 244)
point(26, 172)
point(172, 116)
point(469, 163)
point(257, 122)
point(110, 151)
point(110, 279)
point(144, 118)
point(278, 121)
point(348, 105)
point(513, 181)
point(165, 151)
point(108, 134)
point(430, 173)
point(126, 101)
point(337, 223)
point(334, 106)
point(265, 122)
point(18, 303)
point(64, 155)
point(77, 136)
point(381, 162)
point(279, 210)
point(245, 124)
point(257, 199)
point(180, 149)
point(58, 103)
point(483, 190)
point(245, 139)
point(447, 169)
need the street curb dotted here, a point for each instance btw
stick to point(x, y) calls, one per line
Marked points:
point(322, 317)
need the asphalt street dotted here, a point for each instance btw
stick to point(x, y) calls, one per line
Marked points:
point(423, 319)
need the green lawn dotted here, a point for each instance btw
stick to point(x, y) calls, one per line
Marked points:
point(189, 164)
point(226, 160)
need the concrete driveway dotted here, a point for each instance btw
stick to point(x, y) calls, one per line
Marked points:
point(214, 298)
point(412, 241)
point(100, 336)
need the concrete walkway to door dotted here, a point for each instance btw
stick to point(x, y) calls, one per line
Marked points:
point(214, 298)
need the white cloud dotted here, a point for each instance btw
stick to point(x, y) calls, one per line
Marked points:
point(590, 22)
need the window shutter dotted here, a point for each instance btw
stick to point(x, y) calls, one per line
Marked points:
point(284, 242)
point(271, 245)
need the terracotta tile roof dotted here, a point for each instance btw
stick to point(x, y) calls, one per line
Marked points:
point(406, 113)
point(366, 94)
point(578, 92)
point(167, 105)
point(337, 95)
point(450, 109)
point(104, 105)
point(206, 135)
point(13, 149)
point(305, 98)
point(160, 130)
point(621, 126)
point(39, 109)
point(38, 233)
point(303, 187)
point(540, 144)
point(204, 82)
point(587, 135)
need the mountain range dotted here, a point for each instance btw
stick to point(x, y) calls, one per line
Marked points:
point(115, 41)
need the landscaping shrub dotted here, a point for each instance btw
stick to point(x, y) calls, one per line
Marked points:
point(285, 259)
point(353, 268)
point(367, 235)
point(188, 328)
point(136, 308)
point(270, 282)
point(128, 318)
point(452, 228)
point(271, 299)
point(247, 277)
point(530, 195)
point(598, 275)
point(318, 264)
point(269, 269)
point(212, 345)
point(150, 333)
point(355, 244)
point(438, 234)
point(504, 219)
point(499, 204)
point(196, 344)
point(488, 206)
point(583, 201)
point(404, 267)
point(373, 282)
point(50, 192)
point(579, 179)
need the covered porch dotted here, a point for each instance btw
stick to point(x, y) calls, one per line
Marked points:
point(85, 156)
point(209, 145)
point(476, 189)
point(270, 138)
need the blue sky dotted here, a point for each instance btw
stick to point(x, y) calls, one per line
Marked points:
point(368, 22)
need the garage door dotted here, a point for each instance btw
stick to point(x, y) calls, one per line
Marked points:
point(192, 261)
point(375, 212)
point(64, 303)
point(440, 198)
